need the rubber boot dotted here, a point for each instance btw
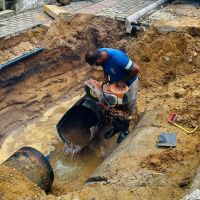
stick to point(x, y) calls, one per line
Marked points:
point(111, 133)
point(122, 136)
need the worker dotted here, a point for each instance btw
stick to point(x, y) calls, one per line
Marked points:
point(118, 68)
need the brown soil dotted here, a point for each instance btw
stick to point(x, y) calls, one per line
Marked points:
point(169, 81)
point(170, 75)
point(14, 185)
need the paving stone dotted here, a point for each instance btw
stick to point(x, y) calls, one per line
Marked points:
point(6, 13)
point(112, 9)
point(134, 9)
point(98, 7)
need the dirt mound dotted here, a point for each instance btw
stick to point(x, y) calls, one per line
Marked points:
point(169, 72)
point(166, 57)
point(162, 162)
point(78, 32)
point(83, 30)
point(14, 185)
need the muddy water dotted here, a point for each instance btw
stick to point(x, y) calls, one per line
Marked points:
point(40, 134)
point(71, 169)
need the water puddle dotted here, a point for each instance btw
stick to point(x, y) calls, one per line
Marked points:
point(40, 134)
point(71, 167)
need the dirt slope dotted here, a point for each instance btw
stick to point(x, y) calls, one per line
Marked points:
point(14, 185)
point(169, 81)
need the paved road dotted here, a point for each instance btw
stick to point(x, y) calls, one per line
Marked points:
point(116, 9)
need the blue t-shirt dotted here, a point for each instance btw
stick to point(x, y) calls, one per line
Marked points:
point(117, 66)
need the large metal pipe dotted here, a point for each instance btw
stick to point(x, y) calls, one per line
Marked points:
point(34, 165)
point(79, 125)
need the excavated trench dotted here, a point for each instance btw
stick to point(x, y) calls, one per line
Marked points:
point(37, 92)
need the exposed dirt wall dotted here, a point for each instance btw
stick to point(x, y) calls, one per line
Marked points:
point(27, 88)
point(170, 70)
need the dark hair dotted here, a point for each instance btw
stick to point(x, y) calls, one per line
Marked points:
point(92, 56)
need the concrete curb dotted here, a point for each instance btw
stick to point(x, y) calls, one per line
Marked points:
point(6, 13)
point(140, 13)
point(20, 58)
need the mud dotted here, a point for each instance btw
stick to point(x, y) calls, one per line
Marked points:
point(37, 92)
point(71, 170)
point(169, 82)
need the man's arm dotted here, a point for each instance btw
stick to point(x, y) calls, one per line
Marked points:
point(125, 63)
point(134, 71)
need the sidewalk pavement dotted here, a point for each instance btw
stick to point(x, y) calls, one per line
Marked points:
point(116, 9)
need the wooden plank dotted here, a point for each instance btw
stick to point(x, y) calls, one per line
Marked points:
point(54, 11)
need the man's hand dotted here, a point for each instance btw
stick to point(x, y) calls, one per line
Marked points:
point(121, 84)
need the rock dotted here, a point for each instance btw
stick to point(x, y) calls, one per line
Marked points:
point(196, 94)
point(179, 93)
point(155, 162)
point(194, 31)
point(167, 59)
point(184, 182)
point(96, 179)
point(195, 54)
point(145, 58)
point(194, 117)
point(190, 60)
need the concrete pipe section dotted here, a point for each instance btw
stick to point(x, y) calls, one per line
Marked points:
point(81, 123)
point(34, 165)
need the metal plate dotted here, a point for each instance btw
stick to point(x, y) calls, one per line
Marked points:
point(167, 140)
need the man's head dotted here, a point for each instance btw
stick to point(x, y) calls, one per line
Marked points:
point(95, 57)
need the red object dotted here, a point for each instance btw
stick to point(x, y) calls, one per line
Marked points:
point(172, 117)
